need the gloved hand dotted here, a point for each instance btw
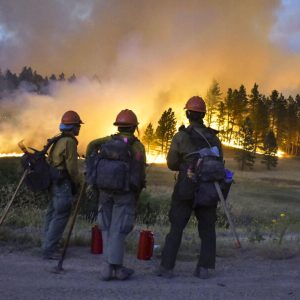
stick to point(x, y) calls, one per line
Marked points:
point(91, 192)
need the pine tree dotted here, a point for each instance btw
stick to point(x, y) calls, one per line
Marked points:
point(165, 130)
point(61, 76)
point(235, 113)
point(273, 108)
point(221, 114)
point(242, 102)
point(26, 75)
point(149, 137)
point(246, 157)
point(269, 151)
point(73, 78)
point(53, 77)
point(212, 99)
point(254, 101)
point(11, 81)
point(281, 121)
point(228, 102)
point(263, 120)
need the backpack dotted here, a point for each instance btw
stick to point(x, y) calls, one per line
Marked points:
point(40, 173)
point(207, 167)
point(113, 167)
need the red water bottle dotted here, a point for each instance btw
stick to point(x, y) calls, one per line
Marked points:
point(96, 241)
point(146, 244)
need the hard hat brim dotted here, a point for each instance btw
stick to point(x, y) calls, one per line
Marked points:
point(124, 124)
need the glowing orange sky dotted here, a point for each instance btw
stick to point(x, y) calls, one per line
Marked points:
point(149, 55)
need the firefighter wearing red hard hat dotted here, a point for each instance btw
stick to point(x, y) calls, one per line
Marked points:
point(116, 174)
point(195, 103)
point(126, 118)
point(188, 140)
point(65, 181)
point(71, 117)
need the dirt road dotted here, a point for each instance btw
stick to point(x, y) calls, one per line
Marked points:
point(24, 275)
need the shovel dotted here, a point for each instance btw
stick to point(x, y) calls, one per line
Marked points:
point(232, 227)
point(59, 268)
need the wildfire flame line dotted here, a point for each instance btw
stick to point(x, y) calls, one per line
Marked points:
point(233, 145)
point(156, 158)
point(13, 154)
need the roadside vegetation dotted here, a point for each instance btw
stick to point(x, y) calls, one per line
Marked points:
point(264, 205)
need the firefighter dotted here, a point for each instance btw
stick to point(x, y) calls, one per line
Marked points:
point(182, 204)
point(118, 190)
point(65, 182)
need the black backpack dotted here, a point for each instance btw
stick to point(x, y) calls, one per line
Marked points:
point(113, 167)
point(208, 168)
point(40, 173)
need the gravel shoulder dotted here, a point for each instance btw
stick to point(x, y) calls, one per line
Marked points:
point(24, 275)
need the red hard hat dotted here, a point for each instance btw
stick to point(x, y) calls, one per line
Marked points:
point(196, 103)
point(71, 117)
point(126, 118)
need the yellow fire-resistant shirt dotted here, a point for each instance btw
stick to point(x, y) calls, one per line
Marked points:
point(63, 156)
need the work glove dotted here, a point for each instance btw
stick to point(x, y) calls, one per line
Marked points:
point(91, 192)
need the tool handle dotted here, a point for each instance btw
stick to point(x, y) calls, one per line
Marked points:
point(217, 186)
point(8, 205)
point(60, 262)
point(22, 146)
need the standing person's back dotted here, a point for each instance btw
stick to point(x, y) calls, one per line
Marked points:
point(120, 177)
point(187, 141)
point(65, 180)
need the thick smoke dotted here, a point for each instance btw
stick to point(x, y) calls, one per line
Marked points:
point(185, 43)
point(35, 118)
point(149, 55)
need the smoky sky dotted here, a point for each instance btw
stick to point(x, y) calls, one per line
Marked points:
point(170, 42)
point(148, 55)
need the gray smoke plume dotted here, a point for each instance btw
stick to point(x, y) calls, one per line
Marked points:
point(149, 55)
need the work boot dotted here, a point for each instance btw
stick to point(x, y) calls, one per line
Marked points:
point(201, 272)
point(123, 273)
point(106, 271)
point(163, 272)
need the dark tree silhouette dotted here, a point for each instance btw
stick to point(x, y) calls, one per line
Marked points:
point(246, 157)
point(165, 130)
point(212, 99)
point(269, 151)
point(149, 137)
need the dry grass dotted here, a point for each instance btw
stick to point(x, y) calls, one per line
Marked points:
point(257, 195)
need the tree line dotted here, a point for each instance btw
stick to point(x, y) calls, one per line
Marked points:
point(252, 122)
point(29, 80)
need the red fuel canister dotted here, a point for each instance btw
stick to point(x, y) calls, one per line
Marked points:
point(96, 240)
point(146, 244)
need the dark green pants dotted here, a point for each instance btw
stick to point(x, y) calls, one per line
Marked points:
point(179, 216)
